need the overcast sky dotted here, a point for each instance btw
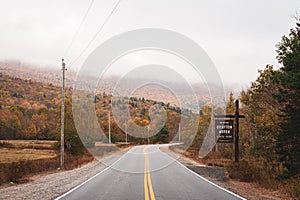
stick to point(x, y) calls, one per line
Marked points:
point(239, 36)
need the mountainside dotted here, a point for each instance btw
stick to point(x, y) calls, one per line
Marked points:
point(107, 85)
point(31, 110)
point(27, 109)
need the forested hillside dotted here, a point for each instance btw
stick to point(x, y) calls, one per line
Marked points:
point(31, 110)
point(27, 109)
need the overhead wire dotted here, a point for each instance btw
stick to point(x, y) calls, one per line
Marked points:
point(79, 28)
point(96, 34)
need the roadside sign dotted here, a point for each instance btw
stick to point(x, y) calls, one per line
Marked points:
point(224, 131)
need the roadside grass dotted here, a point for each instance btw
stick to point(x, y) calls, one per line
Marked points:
point(5, 144)
point(17, 171)
point(9, 155)
point(30, 144)
point(20, 158)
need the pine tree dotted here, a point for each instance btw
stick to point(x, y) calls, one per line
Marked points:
point(230, 104)
point(288, 139)
point(261, 110)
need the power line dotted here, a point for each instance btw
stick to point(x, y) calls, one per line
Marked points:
point(79, 28)
point(97, 33)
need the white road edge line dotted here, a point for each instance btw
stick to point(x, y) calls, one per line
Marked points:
point(81, 184)
point(191, 171)
point(232, 193)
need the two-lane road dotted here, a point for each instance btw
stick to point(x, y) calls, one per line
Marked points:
point(146, 173)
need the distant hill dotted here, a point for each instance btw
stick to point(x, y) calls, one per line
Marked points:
point(53, 76)
point(31, 110)
point(27, 71)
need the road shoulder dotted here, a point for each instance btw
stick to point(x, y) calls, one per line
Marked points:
point(219, 176)
point(52, 185)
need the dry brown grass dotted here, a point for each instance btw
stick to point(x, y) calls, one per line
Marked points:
point(19, 158)
point(16, 150)
point(30, 144)
point(9, 155)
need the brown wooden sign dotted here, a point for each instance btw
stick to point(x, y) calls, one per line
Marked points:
point(223, 126)
point(224, 131)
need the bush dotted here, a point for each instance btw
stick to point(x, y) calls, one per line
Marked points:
point(15, 171)
point(292, 187)
point(245, 171)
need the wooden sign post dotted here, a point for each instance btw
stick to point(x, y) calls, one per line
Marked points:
point(224, 129)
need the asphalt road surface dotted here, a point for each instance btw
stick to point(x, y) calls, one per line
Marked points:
point(146, 173)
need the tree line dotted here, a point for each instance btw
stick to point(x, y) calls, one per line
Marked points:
point(272, 109)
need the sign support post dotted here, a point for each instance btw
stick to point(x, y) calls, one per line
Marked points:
point(236, 141)
point(224, 127)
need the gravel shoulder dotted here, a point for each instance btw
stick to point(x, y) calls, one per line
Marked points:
point(219, 176)
point(52, 185)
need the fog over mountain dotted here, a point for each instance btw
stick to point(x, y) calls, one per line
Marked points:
point(151, 83)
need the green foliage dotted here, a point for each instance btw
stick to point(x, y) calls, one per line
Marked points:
point(261, 110)
point(230, 107)
point(143, 111)
point(162, 136)
point(72, 141)
point(288, 139)
point(269, 135)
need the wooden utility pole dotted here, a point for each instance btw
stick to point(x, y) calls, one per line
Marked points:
point(109, 134)
point(62, 127)
point(148, 134)
point(126, 137)
point(179, 130)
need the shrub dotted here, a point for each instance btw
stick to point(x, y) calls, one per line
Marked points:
point(245, 171)
point(292, 187)
point(15, 171)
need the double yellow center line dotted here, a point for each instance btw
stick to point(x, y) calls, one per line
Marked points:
point(147, 179)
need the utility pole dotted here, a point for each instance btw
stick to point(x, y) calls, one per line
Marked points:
point(148, 134)
point(179, 132)
point(126, 139)
point(62, 127)
point(109, 135)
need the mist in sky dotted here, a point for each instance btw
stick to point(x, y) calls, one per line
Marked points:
point(239, 36)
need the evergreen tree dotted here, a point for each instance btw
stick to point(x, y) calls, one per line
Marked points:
point(288, 139)
point(230, 104)
point(261, 110)
point(73, 143)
